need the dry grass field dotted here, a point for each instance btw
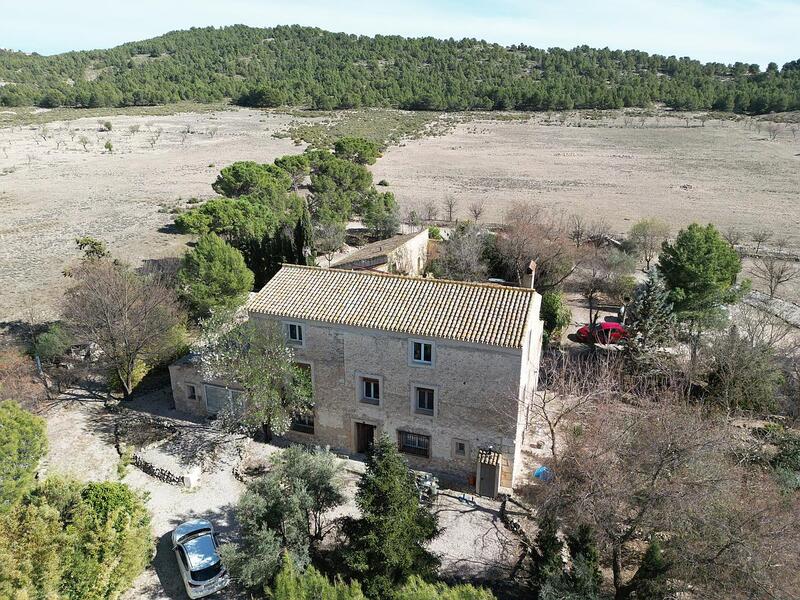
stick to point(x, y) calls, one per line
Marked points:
point(723, 172)
point(611, 167)
point(53, 190)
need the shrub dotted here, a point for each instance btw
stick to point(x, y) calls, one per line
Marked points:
point(73, 541)
point(383, 183)
point(434, 233)
point(140, 370)
point(52, 344)
point(555, 313)
point(23, 443)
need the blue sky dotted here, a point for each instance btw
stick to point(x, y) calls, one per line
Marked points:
point(756, 31)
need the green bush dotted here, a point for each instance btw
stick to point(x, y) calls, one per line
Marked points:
point(434, 233)
point(140, 371)
point(555, 313)
point(51, 344)
point(23, 443)
point(72, 541)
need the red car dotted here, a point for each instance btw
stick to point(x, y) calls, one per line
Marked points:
point(602, 333)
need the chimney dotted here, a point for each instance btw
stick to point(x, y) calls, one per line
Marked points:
point(532, 273)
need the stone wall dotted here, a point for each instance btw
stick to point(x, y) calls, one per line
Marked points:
point(481, 394)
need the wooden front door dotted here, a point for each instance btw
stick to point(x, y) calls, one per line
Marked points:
point(365, 437)
point(488, 482)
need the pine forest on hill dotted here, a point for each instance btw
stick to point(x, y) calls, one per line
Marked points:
point(304, 66)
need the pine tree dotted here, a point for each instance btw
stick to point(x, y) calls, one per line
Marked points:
point(652, 319)
point(650, 580)
point(386, 545)
point(585, 576)
point(547, 561)
point(214, 275)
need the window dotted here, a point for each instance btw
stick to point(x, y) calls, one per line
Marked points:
point(422, 353)
point(423, 400)
point(294, 332)
point(191, 391)
point(370, 390)
point(219, 398)
point(413, 443)
point(303, 422)
point(459, 448)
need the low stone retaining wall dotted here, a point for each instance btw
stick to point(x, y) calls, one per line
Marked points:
point(159, 473)
point(788, 311)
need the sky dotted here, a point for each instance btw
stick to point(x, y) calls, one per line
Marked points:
point(750, 31)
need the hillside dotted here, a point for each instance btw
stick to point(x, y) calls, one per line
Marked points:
point(310, 67)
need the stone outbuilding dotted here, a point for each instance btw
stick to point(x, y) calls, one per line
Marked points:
point(445, 368)
point(401, 254)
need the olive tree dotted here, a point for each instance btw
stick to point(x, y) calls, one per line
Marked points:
point(254, 358)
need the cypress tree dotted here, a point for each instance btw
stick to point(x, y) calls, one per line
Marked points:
point(386, 546)
point(652, 319)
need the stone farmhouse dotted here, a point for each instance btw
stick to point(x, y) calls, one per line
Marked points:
point(446, 368)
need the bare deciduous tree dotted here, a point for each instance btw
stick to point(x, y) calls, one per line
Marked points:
point(530, 234)
point(476, 210)
point(449, 205)
point(733, 236)
point(760, 237)
point(774, 271)
point(130, 317)
point(430, 212)
point(577, 229)
point(662, 470)
point(570, 385)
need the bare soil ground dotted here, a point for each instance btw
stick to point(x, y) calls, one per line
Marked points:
point(473, 545)
point(52, 190)
point(602, 165)
point(612, 168)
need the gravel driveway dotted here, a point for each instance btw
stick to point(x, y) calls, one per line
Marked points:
point(473, 544)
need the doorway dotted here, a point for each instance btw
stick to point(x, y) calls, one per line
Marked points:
point(488, 482)
point(365, 437)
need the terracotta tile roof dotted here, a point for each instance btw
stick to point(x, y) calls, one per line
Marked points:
point(376, 250)
point(471, 312)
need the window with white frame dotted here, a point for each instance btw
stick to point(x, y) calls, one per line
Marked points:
point(424, 399)
point(294, 331)
point(421, 352)
point(414, 443)
point(370, 390)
